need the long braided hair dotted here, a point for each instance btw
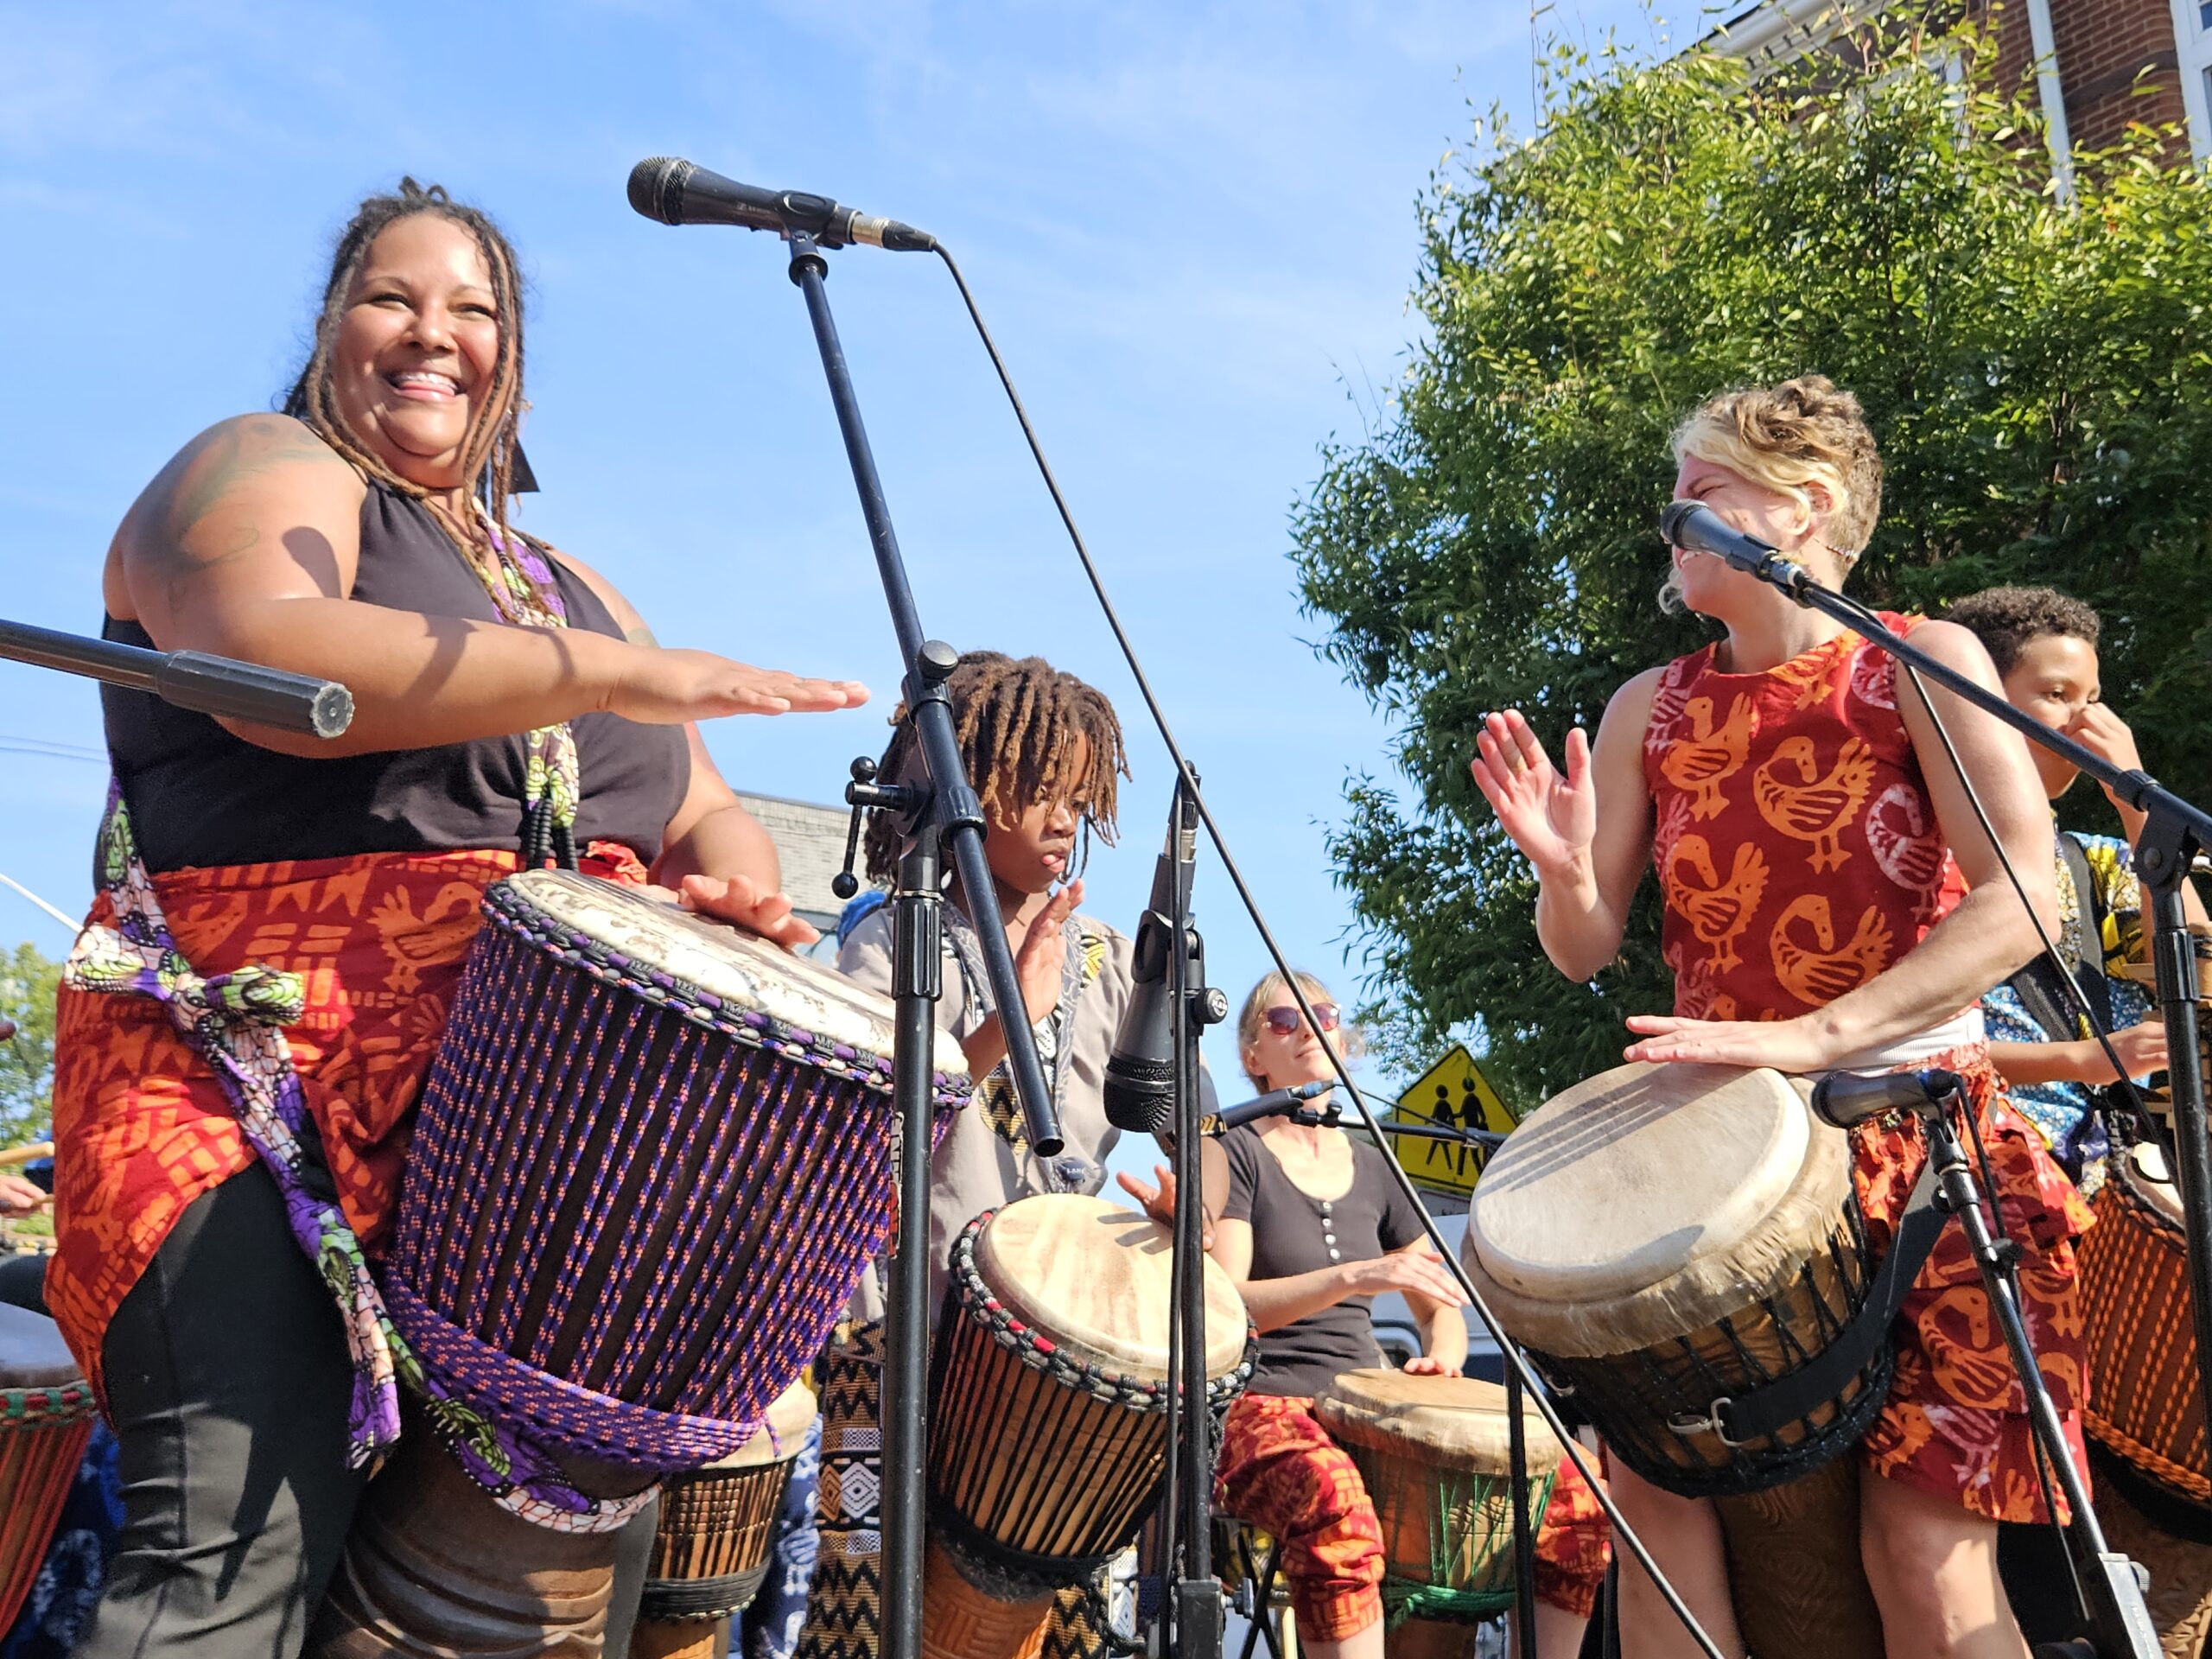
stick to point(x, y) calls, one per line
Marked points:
point(1022, 726)
point(493, 432)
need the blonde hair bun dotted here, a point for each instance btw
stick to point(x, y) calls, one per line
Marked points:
point(1789, 438)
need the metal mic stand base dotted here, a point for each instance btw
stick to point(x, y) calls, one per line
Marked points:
point(2120, 1623)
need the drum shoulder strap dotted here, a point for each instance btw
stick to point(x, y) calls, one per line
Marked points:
point(1828, 1374)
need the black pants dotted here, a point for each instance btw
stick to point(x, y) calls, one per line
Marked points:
point(229, 1385)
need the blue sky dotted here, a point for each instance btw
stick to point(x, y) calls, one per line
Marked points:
point(1193, 228)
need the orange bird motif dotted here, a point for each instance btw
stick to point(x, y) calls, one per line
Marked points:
point(410, 941)
point(1814, 808)
point(1717, 910)
point(1708, 757)
point(1818, 973)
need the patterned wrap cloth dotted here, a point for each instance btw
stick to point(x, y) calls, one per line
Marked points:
point(286, 1012)
point(1280, 1470)
point(1799, 856)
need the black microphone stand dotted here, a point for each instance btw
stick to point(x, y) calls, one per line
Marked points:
point(944, 809)
point(2119, 1622)
point(1191, 1615)
point(2174, 832)
point(222, 686)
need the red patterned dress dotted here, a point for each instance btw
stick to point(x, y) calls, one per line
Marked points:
point(1799, 856)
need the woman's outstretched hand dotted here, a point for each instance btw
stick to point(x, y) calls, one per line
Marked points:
point(738, 899)
point(660, 687)
point(1795, 1046)
point(1551, 818)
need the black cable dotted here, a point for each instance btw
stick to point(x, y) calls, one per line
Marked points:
point(1532, 1385)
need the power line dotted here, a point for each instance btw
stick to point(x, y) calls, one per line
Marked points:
point(59, 915)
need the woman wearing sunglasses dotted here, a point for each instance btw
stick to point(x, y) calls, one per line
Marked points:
point(1312, 1228)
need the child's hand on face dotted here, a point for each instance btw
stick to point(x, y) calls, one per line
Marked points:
point(1043, 955)
point(2101, 732)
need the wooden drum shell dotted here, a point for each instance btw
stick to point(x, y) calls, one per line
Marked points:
point(2143, 1406)
point(1031, 1465)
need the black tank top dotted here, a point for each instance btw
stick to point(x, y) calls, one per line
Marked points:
point(199, 796)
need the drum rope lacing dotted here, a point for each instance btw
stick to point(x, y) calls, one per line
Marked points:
point(505, 908)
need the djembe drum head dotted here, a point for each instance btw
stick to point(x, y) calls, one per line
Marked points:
point(1664, 1237)
point(1435, 1453)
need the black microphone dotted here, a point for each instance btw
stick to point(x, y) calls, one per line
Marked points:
point(1274, 1102)
point(677, 193)
point(1697, 528)
point(1845, 1099)
point(1141, 1070)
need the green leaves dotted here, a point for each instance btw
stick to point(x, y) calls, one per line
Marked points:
point(2040, 377)
point(28, 982)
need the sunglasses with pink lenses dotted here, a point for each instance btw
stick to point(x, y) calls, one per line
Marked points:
point(1285, 1022)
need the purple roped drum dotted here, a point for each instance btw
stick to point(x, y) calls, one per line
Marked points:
point(654, 1158)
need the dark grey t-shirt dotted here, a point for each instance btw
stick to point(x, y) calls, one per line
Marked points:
point(1292, 1233)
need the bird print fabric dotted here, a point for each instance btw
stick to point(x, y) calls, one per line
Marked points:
point(1768, 789)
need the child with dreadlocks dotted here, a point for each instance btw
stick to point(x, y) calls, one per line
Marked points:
point(1045, 752)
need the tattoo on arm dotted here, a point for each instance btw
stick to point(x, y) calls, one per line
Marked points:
point(233, 458)
point(641, 635)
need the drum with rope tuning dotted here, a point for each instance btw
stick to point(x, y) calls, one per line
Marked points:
point(1667, 1239)
point(2146, 1414)
point(710, 1551)
point(45, 1418)
point(1048, 1437)
point(1434, 1454)
point(653, 1163)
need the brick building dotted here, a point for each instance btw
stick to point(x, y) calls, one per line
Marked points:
point(2105, 63)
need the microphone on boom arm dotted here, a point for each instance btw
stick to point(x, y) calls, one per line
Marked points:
point(1276, 1103)
point(1141, 1070)
point(678, 192)
point(1697, 528)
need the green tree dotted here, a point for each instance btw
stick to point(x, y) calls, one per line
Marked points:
point(27, 980)
point(2037, 373)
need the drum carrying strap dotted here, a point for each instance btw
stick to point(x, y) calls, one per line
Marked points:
point(1826, 1376)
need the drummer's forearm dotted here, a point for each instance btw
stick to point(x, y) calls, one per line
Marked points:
point(1978, 944)
point(1274, 1303)
point(985, 1046)
point(2026, 1063)
point(724, 842)
point(1578, 929)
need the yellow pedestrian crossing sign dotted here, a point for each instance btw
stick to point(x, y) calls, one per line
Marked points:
point(1450, 1095)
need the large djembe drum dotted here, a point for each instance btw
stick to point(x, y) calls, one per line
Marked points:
point(1048, 1433)
point(710, 1551)
point(1665, 1239)
point(652, 1162)
point(1434, 1453)
point(45, 1418)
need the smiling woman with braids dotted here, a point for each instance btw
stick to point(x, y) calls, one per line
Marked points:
point(307, 905)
